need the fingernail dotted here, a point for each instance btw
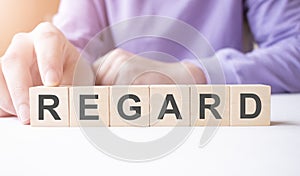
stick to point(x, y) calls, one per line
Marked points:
point(51, 78)
point(23, 113)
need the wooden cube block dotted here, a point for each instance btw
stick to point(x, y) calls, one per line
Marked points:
point(210, 105)
point(250, 105)
point(169, 105)
point(49, 106)
point(129, 106)
point(89, 106)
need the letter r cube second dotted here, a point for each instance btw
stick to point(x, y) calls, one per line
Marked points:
point(51, 106)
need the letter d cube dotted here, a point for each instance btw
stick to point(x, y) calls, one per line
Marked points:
point(250, 105)
point(49, 106)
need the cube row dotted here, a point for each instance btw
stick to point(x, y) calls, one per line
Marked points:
point(154, 105)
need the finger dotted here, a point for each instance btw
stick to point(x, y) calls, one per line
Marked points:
point(49, 44)
point(5, 101)
point(4, 113)
point(16, 64)
point(100, 62)
point(100, 67)
point(72, 61)
point(113, 70)
point(109, 66)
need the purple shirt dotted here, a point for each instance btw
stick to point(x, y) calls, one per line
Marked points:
point(274, 26)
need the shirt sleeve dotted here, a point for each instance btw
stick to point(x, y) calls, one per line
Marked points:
point(275, 25)
point(80, 20)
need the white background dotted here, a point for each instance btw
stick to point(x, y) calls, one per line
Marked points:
point(273, 150)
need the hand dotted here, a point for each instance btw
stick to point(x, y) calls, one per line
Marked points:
point(122, 67)
point(41, 57)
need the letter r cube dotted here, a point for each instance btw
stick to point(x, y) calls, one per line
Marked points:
point(51, 106)
point(210, 105)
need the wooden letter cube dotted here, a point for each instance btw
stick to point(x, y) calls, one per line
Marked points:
point(250, 105)
point(129, 106)
point(49, 106)
point(89, 106)
point(210, 105)
point(169, 105)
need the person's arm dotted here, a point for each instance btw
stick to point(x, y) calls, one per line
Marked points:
point(80, 21)
point(275, 25)
point(45, 56)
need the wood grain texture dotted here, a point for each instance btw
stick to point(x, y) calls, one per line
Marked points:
point(264, 94)
point(100, 105)
point(181, 95)
point(62, 109)
point(142, 103)
point(218, 92)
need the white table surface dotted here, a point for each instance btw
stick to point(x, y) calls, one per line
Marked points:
point(273, 150)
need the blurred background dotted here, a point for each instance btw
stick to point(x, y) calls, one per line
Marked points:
point(22, 16)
